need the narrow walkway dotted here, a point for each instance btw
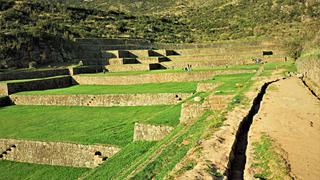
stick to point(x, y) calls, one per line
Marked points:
point(290, 114)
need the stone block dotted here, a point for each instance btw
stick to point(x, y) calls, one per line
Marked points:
point(191, 111)
point(218, 102)
point(204, 87)
point(145, 132)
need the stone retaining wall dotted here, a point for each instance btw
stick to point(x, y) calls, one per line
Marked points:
point(55, 153)
point(204, 87)
point(3, 89)
point(32, 74)
point(310, 68)
point(154, 78)
point(85, 69)
point(39, 84)
point(191, 111)
point(145, 132)
point(107, 100)
point(217, 102)
point(90, 49)
point(212, 45)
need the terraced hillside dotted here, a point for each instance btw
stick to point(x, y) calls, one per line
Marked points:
point(132, 124)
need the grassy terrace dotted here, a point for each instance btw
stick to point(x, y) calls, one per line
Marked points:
point(16, 171)
point(121, 89)
point(272, 66)
point(235, 67)
point(85, 125)
point(227, 86)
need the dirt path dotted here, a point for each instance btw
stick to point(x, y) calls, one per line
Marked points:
point(290, 114)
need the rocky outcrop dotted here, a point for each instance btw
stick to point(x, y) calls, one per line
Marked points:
point(146, 132)
point(55, 153)
point(40, 51)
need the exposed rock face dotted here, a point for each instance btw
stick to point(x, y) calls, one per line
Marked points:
point(55, 153)
point(40, 52)
point(101, 100)
point(145, 132)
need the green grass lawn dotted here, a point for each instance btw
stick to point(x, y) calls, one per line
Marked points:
point(228, 86)
point(85, 125)
point(16, 171)
point(229, 82)
point(272, 66)
point(175, 87)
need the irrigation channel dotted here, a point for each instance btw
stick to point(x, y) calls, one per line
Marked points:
point(237, 159)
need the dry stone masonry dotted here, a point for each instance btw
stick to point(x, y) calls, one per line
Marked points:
point(55, 153)
point(310, 68)
point(145, 132)
point(204, 87)
point(38, 84)
point(217, 102)
point(191, 111)
point(154, 78)
point(107, 100)
point(32, 74)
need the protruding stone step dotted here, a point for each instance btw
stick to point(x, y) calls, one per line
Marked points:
point(133, 67)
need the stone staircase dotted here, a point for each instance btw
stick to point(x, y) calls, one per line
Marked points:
point(135, 60)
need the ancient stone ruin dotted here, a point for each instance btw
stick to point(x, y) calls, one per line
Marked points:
point(146, 132)
point(55, 153)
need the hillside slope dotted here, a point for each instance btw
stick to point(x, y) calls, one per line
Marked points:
point(34, 30)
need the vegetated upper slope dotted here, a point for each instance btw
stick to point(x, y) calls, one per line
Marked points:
point(210, 20)
point(39, 24)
